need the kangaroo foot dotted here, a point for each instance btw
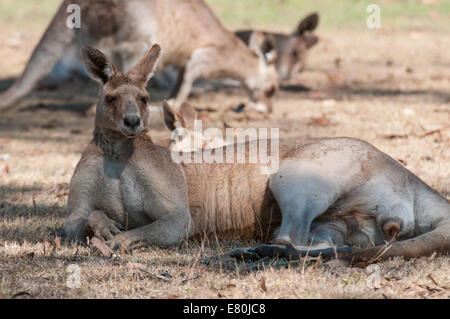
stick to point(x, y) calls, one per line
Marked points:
point(288, 251)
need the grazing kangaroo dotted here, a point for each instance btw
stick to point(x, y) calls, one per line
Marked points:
point(291, 48)
point(327, 192)
point(193, 39)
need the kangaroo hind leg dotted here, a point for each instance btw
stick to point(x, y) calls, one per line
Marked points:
point(302, 196)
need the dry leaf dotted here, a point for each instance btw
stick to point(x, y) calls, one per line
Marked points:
point(428, 288)
point(29, 255)
point(101, 246)
point(6, 169)
point(57, 243)
point(338, 62)
point(321, 121)
point(438, 131)
point(47, 247)
point(395, 136)
point(417, 288)
point(143, 268)
point(263, 284)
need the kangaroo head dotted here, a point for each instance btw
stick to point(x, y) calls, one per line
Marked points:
point(263, 84)
point(181, 124)
point(123, 104)
point(293, 48)
point(186, 137)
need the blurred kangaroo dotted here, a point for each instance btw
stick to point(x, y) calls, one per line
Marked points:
point(193, 39)
point(291, 48)
point(291, 52)
point(328, 192)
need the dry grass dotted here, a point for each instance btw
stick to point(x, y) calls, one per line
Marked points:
point(390, 88)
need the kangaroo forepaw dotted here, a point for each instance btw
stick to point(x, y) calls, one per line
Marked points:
point(100, 226)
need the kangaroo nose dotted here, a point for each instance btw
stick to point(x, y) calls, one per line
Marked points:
point(132, 121)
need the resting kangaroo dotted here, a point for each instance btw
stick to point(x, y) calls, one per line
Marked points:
point(328, 192)
point(291, 48)
point(193, 39)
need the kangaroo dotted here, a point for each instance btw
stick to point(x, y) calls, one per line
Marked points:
point(291, 51)
point(194, 41)
point(326, 193)
point(291, 48)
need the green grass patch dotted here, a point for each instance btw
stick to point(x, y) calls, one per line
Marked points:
point(19, 13)
point(285, 14)
point(272, 14)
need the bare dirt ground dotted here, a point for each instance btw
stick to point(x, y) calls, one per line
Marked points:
point(391, 88)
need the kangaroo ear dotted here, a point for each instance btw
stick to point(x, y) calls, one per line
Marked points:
point(264, 46)
point(307, 24)
point(187, 115)
point(144, 70)
point(310, 40)
point(171, 118)
point(97, 65)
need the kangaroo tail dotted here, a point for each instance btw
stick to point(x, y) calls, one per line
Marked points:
point(50, 49)
point(437, 240)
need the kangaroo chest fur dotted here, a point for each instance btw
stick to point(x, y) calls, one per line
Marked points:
point(122, 195)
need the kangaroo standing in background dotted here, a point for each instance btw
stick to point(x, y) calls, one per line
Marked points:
point(193, 40)
point(291, 48)
point(328, 192)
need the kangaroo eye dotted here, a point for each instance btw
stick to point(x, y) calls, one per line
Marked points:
point(110, 99)
point(144, 99)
